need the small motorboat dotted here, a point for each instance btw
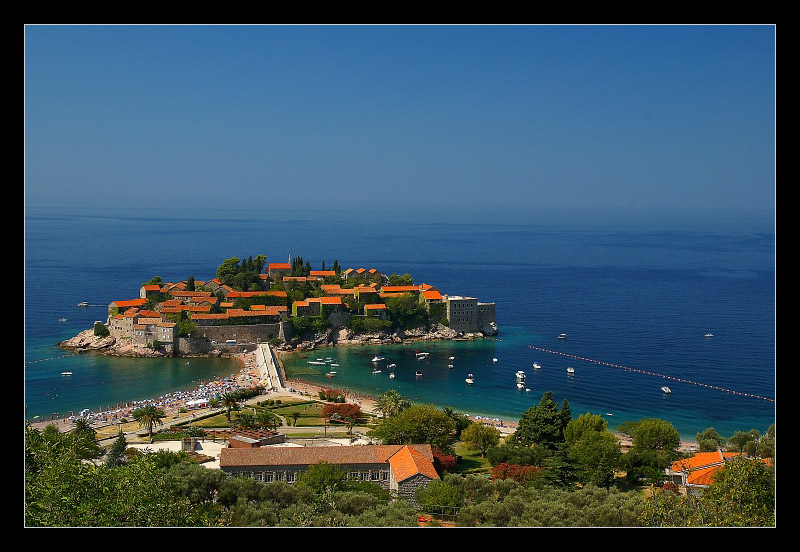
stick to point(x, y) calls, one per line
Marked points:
point(376, 371)
point(562, 336)
point(570, 370)
point(494, 360)
point(452, 358)
point(449, 365)
point(470, 380)
point(419, 373)
point(666, 390)
point(520, 385)
point(377, 358)
point(520, 375)
point(709, 335)
point(66, 373)
point(62, 319)
point(420, 356)
point(392, 366)
point(536, 366)
point(83, 304)
point(391, 375)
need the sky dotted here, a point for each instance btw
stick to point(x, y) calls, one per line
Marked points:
point(524, 118)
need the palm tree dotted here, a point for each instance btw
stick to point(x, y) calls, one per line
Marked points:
point(245, 420)
point(230, 401)
point(391, 403)
point(268, 419)
point(148, 416)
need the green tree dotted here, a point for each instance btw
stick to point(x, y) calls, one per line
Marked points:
point(100, 330)
point(417, 424)
point(741, 439)
point(583, 424)
point(709, 440)
point(230, 402)
point(480, 437)
point(148, 416)
point(323, 476)
point(228, 270)
point(116, 454)
point(391, 403)
point(269, 420)
point(597, 454)
point(438, 494)
point(544, 423)
point(742, 494)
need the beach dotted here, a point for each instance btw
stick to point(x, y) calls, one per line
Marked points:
point(183, 406)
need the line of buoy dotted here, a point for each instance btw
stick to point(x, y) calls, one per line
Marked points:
point(44, 359)
point(629, 369)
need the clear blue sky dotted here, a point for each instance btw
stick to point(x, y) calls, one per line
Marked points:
point(610, 118)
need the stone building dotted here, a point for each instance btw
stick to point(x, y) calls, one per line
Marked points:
point(398, 468)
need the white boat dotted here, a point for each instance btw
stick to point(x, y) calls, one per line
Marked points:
point(377, 358)
point(391, 375)
point(520, 375)
point(570, 370)
point(317, 362)
point(494, 360)
point(419, 373)
point(536, 366)
point(709, 335)
point(452, 358)
point(66, 373)
point(449, 365)
point(392, 366)
point(376, 371)
point(562, 336)
point(520, 385)
point(666, 390)
point(334, 364)
point(83, 304)
point(470, 380)
point(420, 356)
point(62, 319)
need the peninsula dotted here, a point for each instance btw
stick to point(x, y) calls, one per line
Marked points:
point(288, 305)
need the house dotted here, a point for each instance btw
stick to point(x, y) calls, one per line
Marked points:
point(398, 468)
point(697, 473)
point(378, 310)
point(273, 269)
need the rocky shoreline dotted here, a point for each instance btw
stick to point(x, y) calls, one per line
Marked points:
point(344, 337)
point(87, 341)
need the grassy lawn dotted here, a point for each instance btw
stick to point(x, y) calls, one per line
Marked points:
point(471, 461)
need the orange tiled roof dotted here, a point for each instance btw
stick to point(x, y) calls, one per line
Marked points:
point(322, 273)
point(399, 289)
point(374, 306)
point(129, 303)
point(405, 460)
point(279, 266)
point(432, 295)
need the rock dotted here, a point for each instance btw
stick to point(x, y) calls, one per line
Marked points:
point(490, 328)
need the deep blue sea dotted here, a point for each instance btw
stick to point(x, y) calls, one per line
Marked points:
point(629, 293)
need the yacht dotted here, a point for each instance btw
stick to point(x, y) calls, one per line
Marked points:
point(470, 380)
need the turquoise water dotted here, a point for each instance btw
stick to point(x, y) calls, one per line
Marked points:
point(632, 295)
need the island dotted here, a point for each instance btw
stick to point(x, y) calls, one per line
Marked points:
point(286, 304)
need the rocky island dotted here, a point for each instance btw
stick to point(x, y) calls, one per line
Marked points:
point(288, 305)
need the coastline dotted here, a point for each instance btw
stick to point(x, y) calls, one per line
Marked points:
point(248, 375)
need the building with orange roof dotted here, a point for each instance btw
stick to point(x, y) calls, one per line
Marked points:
point(399, 468)
point(697, 472)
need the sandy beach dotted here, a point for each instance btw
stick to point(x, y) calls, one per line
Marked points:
point(182, 406)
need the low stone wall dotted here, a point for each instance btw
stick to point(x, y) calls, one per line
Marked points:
point(256, 333)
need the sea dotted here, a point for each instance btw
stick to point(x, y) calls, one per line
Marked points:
point(643, 304)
